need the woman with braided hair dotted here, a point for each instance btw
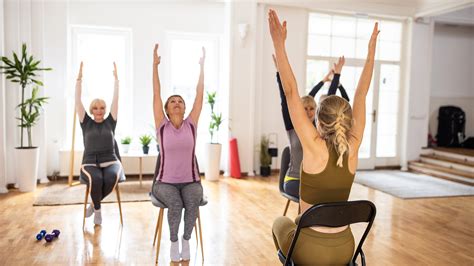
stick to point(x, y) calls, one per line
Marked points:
point(330, 157)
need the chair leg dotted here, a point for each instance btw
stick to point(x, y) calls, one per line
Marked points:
point(286, 207)
point(200, 235)
point(160, 227)
point(85, 207)
point(196, 231)
point(157, 226)
point(119, 203)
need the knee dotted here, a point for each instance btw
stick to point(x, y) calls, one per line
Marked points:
point(282, 223)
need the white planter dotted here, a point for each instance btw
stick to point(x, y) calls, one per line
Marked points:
point(26, 168)
point(125, 148)
point(213, 159)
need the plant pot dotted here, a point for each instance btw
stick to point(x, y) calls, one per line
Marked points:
point(145, 149)
point(26, 168)
point(125, 148)
point(265, 170)
point(213, 160)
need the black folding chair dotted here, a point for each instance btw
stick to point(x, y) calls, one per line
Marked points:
point(285, 163)
point(335, 214)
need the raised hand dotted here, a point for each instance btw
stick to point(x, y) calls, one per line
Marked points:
point(79, 75)
point(329, 75)
point(277, 30)
point(338, 66)
point(115, 72)
point(373, 40)
point(203, 57)
point(156, 58)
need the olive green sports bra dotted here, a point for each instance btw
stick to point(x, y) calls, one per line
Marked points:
point(333, 184)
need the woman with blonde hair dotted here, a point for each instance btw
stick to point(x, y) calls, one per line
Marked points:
point(101, 167)
point(330, 157)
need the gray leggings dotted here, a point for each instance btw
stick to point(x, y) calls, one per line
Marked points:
point(103, 180)
point(175, 197)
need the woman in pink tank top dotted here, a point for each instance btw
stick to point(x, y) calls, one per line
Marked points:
point(177, 183)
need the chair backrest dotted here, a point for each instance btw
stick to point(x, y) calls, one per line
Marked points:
point(285, 164)
point(337, 214)
point(117, 151)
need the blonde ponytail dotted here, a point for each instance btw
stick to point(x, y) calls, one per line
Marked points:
point(335, 120)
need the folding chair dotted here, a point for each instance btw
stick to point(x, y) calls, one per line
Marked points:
point(285, 163)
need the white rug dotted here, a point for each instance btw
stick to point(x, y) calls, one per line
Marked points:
point(407, 185)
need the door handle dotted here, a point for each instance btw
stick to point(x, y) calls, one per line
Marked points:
point(374, 116)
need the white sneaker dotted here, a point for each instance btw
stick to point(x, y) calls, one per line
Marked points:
point(97, 217)
point(89, 210)
point(185, 253)
point(174, 252)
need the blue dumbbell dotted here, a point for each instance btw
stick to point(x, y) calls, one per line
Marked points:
point(41, 234)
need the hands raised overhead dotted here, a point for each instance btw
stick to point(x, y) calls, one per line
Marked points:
point(79, 75)
point(156, 57)
point(115, 72)
point(373, 40)
point(278, 31)
point(203, 57)
point(338, 66)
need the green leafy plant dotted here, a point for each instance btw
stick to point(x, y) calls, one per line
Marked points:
point(145, 140)
point(24, 70)
point(126, 140)
point(216, 119)
point(265, 158)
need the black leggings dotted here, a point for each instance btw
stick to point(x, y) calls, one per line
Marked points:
point(103, 180)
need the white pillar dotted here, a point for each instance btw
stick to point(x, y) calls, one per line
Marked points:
point(3, 170)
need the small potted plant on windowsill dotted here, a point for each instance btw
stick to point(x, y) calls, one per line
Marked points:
point(265, 157)
point(126, 143)
point(145, 141)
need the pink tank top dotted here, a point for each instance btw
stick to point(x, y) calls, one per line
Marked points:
point(178, 161)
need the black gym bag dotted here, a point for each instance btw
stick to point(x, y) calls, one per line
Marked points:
point(451, 126)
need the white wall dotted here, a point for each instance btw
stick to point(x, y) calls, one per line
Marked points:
point(415, 109)
point(3, 155)
point(452, 79)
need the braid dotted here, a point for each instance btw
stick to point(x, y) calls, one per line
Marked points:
point(340, 140)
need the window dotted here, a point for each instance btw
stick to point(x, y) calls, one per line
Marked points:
point(98, 48)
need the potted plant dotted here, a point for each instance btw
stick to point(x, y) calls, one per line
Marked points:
point(126, 143)
point(265, 157)
point(213, 149)
point(25, 71)
point(145, 141)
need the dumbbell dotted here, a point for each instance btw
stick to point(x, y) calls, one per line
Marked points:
point(41, 234)
point(52, 236)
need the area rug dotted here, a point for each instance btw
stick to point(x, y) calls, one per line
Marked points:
point(407, 185)
point(61, 194)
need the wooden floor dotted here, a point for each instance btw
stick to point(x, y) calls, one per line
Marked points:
point(236, 227)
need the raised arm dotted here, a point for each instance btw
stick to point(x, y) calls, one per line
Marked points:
point(78, 102)
point(197, 106)
point(358, 112)
point(343, 93)
point(284, 105)
point(337, 74)
point(304, 128)
point(114, 106)
point(157, 102)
